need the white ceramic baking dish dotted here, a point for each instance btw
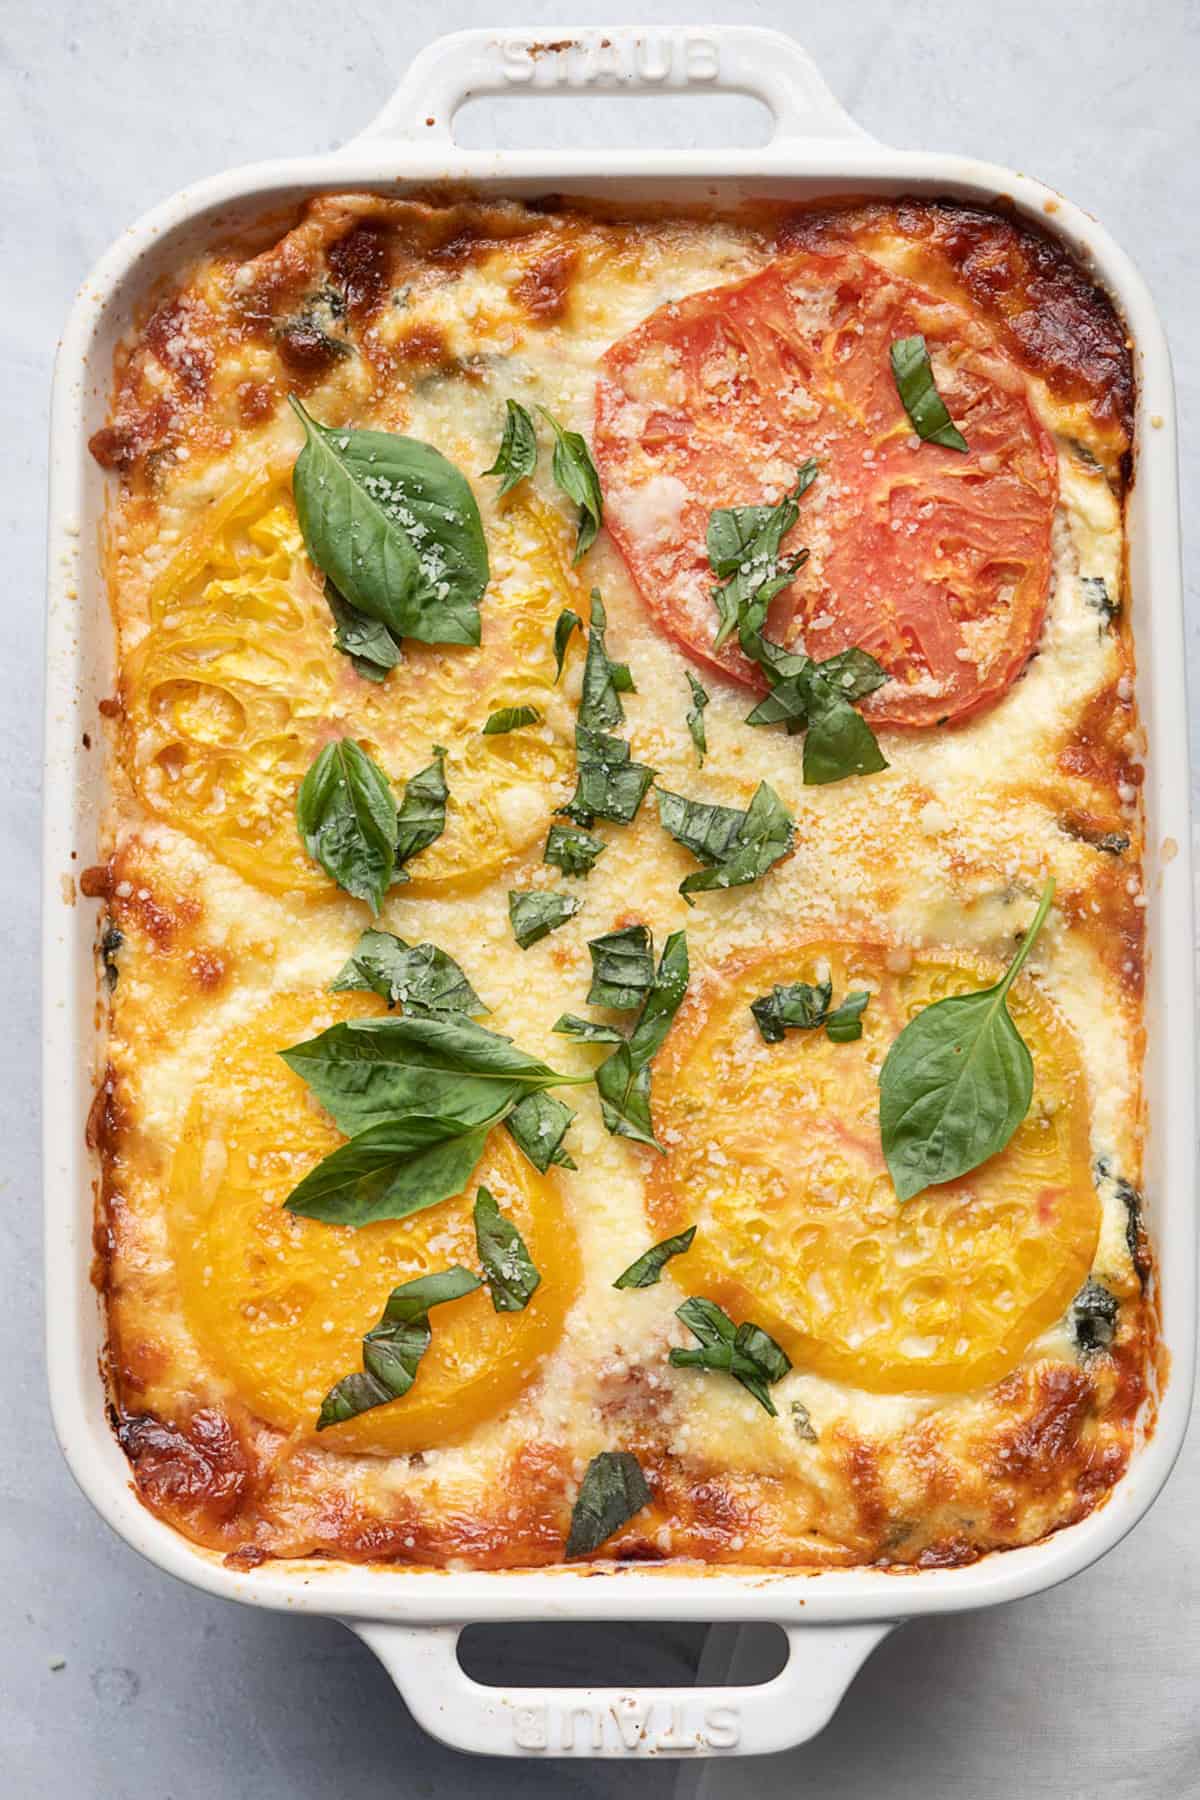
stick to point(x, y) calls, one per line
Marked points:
point(412, 1621)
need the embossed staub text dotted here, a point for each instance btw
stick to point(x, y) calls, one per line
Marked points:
point(657, 58)
point(629, 1726)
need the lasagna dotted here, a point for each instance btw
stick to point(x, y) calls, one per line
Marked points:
point(621, 911)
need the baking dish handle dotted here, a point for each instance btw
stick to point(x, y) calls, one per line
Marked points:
point(622, 1722)
point(619, 59)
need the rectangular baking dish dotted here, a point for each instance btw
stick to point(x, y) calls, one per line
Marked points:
point(412, 1620)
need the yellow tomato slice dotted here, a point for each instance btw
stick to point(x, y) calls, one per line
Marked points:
point(775, 1153)
point(281, 1303)
point(237, 685)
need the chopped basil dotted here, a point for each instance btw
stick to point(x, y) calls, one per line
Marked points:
point(745, 1351)
point(368, 643)
point(744, 545)
point(622, 968)
point(913, 375)
point(608, 784)
point(1092, 1319)
point(517, 456)
point(844, 1024)
point(957, 1081)
point(510, 718)
point(566, 623)
point(623, 1079)
point(395, 1168)
point(395, 527)
point(535, 913)
point(407, 975)
point(392, 1351)
point(737, 847)
point(802, 1423)
point(507, 1265)
point(604, 681)
point(1095, 593)
point(110, 942)
point(647, 1270)
point(572, 850)
point(575, 473)
point(695, 718)
point(346, 816)
point(538, 1125)
point(613, 1489)
point(587, 1030)
point(441, 1065)
point(801, 1006)
point(421, 818)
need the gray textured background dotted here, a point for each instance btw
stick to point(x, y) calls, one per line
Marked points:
point(106, 109)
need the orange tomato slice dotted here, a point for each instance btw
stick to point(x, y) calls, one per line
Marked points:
point(237, 686)
point(280, 1303)
point(775, 1153)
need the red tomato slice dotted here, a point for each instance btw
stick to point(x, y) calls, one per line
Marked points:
point(935, 561)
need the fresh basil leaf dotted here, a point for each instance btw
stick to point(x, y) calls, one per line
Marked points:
point(397, 1167)
point(517, 456)
point(346, 815)
point(510, 718)
point(913, 375)
point(623, 1079)
point(695, 718)
point(738, 847)
point(573, 851)
point(369, 644)
point(587, 1030)
point(839, 742)
point(407, 975)
point(566, 622)
point(507, 1265)
point(575, 473)
point(957, 1081)
point(538, 1125)
point(392, 1351)
point(851, 673)
point(395, 527)
point(744, 1351)
point(799, 1005)
point(534, 914)
point(818, 696)
point(443, 1065)
point(421, 818)
point(613, 1489)
point(844, 1024)
point(647, 1270)
point(608, 784)
point(622, 968)
point(603, 680)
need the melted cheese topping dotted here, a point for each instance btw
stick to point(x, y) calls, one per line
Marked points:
point(947, 848)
